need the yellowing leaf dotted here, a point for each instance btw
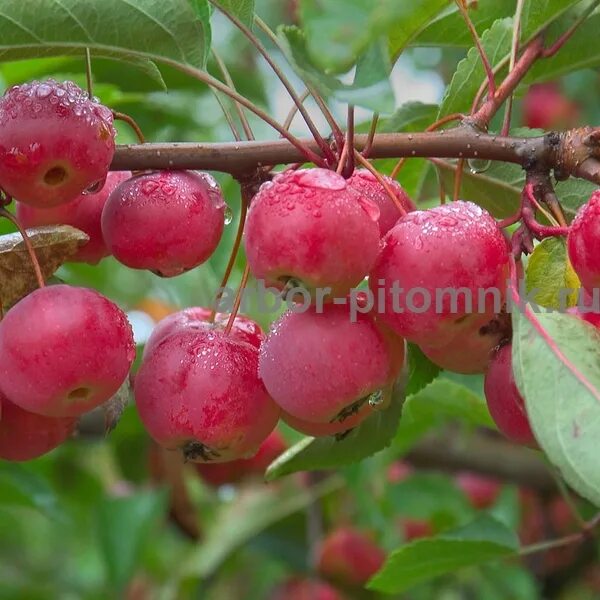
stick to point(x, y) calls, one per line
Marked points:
point(53, 246)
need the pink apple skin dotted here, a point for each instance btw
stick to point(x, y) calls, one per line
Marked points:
point(25, 435)
point(244, 329)
point(365, 184)
point(349, 556)
point(310, 227)
point(54, 142)
point(317, 364)
point(297, 588)
point(504, 401)
point(217, 474)
point(199, 391)
point(166, 221)
point(481, 491)
point(583, 243)
point(324, 429)
point(546, 107)
point(470, 351)
point(453, 246)
point(65, 350)
point(84, 213)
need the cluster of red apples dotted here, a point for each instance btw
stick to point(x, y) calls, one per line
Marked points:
point(214, 387)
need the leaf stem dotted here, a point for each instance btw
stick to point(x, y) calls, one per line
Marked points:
point(514, 49)
point(28, 245)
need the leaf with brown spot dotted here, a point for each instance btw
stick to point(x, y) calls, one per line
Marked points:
point(53, 246)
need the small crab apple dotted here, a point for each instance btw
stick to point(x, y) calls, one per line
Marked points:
point(308, 228)
point(546, 107)
point(298, 588)
point(471, 350)
point(244, 329)
point(365, 183)
point(324, 367)
point(505, 403)
point(84, 213)
point(65, 350)
point(166, 221)
point(441, 271)
point(583, 243)
point(338, 427)
point(481, 491)
point(55, 142)
point(25, 435)
point(198, 390)
point(349, 556)
point(217, 474)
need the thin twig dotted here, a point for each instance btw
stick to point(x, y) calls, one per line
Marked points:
point(349, 164)
point(294, 111)
point(213, 82)
point(367, 149)
point(484, 59)
point(386, 186)
point(229, 81)
point(244, 201)
point(335, 128)
point(88, 73)
point(514, 49)
point(228, 117)
point(566, 36)
point(28, 245)
point(323, 146)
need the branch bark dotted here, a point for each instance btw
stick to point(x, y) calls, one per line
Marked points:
point(493, 457)
point(551, 151)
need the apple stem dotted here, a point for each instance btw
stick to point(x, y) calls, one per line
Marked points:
point(30, 250)
point(482, 54)
point(244, 201)
point(238, 299)
point(513, 59)
point(349, 163)
point(386, 186)
point(322, 144)
point(119, 116)
point(229, 81)
point(88, 73)
point(369, 145)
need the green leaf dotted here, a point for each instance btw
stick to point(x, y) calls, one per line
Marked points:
point(449, 29)
point(23, 487)
point(470, 73)
point(580, 52)
point(497, 187)
point(439, 402)
point(375, 433)
point(421, 371)
point(550, 272)
point(252, 512)
point(483, 540)
point(371, 88)
point(123, 528)
point(339, 31)
point(429, 496)
point(171, 31)
point(242, 9)
point(557, 371)
point(411, 116)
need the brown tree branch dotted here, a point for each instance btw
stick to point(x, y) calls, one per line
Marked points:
point(575, 152)
point(486, 455)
